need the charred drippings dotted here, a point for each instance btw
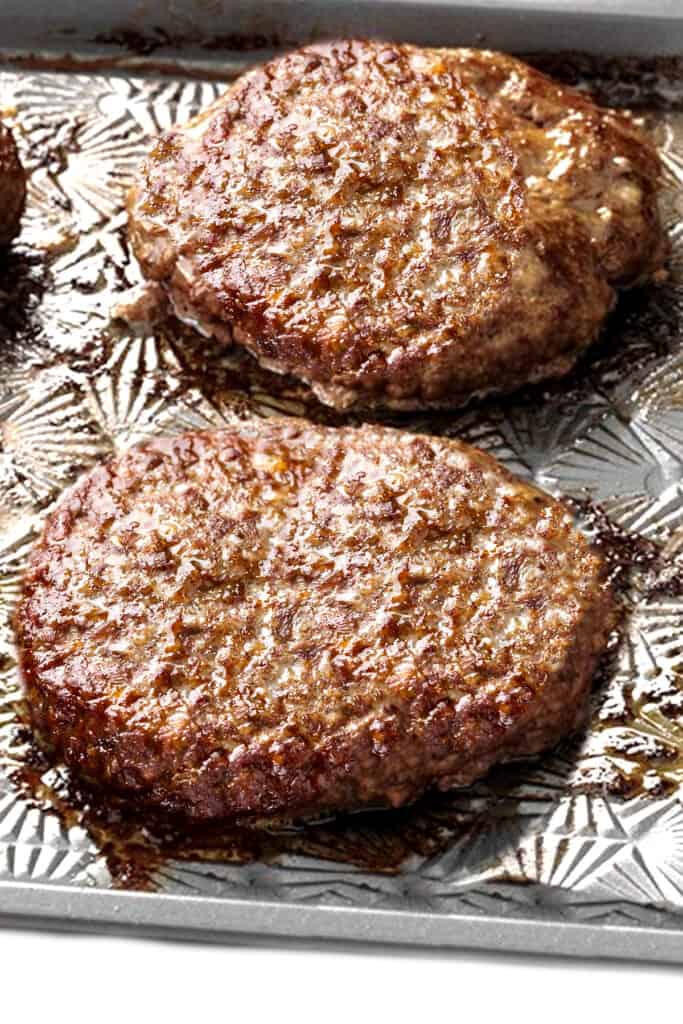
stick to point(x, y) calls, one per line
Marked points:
point(631, 558)
point(241, 42)
point(24, 279)
point(135, 42)
point(142, 44)
point(633, 82)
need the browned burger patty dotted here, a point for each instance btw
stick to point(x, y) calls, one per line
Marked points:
point(281, 618)
point(399, 226)
point(12, 187)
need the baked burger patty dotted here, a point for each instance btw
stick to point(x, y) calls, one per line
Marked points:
point(283, 619)
point(12, 187)
point(399, 226)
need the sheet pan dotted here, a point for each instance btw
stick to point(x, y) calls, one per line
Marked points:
point(578, 853)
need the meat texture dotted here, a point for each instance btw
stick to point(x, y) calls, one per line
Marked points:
point(12, 187)
point(286, 619)
point(400, 226)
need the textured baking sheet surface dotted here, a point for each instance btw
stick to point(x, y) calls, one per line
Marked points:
point(592, 833)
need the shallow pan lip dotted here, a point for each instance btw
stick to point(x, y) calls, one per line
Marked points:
point(204, 918)
point(143, 35)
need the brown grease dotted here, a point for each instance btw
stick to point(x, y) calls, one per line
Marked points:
point(626, 552)
point(136, 842)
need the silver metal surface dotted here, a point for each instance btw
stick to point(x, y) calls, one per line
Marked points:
point(580, 853)
point(184, 28)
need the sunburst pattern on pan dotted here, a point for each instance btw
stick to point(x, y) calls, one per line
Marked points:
point(595, 829)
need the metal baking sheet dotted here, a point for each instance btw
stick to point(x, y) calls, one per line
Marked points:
point(579, 852)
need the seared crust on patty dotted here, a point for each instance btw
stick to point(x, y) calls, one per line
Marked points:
point(400, 226)
point(281, 618)
point(12, 187)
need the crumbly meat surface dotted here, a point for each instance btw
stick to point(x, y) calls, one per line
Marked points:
point(12, 187)
point(399, 226)
point(282, 619)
